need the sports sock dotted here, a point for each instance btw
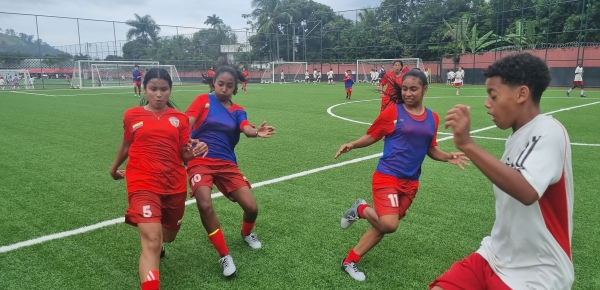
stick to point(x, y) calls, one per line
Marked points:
point(361, 210)
point(152, 282)
point(247, 228)
point(352, 257)
point(218, 241)
point(569, 90)
point(582, 92)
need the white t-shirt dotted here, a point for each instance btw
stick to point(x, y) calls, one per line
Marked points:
point(579, 74)
point(458, 77)
point(1, 82)
point(306, 75)
point(330, 74)
point(530, 246)
point(315, 74)
point(374, 75)
point(282, 75)
point(450, 75)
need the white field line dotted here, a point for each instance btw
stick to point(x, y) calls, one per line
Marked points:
point(30, 93)
point(119, 220)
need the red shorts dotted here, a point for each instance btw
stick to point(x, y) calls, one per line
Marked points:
point(457, 85)
point(393, 195)
point(137, 84)
point(578, 83)
point(472, 273)
point(226, 176)
point(349, 90)
point(151, 207)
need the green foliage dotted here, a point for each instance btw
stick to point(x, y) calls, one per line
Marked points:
point(10, 41)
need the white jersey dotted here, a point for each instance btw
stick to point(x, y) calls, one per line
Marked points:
point(282, 75)
point(315, 74)
point(578, 74)
point(530, 246)
point(450, 75)
point(1, 82)
point(458, 76)
point(330, 74)
point(306, 75)
point(374, 75)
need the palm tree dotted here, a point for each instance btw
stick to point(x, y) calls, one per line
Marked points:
point(213, 20)
point(476, 43)
point(368, 17)
point(269, 15)
point(143, 27)
point(459, 32)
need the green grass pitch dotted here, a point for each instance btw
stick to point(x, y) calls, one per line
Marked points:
point(57, 147)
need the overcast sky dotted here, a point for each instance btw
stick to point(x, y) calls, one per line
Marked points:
point(189, 13)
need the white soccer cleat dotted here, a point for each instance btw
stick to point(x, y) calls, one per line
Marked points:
point(227, 265)
point(253, 241)
point(353, 271)
point(351, 215)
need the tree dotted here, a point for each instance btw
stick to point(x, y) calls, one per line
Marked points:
point(459, 32)
point(143, 27)
point(269, 15)
point(476, 43)
point(10, 31)
point(213, 20)
point(522, 37)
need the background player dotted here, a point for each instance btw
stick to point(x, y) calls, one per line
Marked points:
point(530, 242)
point(578, 81)
point(391, 79)
point(156, 142)
point(137, 80)
point(410, 131)
point(458, 80)
point(330, 77)
point(246, 74)
point(449, 77)
point(219, 122)
point(348, 83)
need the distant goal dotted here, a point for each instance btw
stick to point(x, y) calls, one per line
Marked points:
point(112, 74)
point(365, 66)
point(16, 79)
point(293, 72)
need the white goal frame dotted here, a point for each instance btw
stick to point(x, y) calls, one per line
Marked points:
point(84, 71)
point(364, 66)
point(25, 80)
point(275, 75)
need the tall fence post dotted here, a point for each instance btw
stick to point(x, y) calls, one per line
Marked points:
point(37, 31)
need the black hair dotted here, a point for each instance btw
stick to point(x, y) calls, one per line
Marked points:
point(157, 73)
point(522, 69)
point(401, 63)
point(397, 97)
point(136, 66)
point(232, 69)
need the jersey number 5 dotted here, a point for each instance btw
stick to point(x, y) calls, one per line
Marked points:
point(146, 212)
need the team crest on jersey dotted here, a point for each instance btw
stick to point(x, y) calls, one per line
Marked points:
point(174, 121)
point(395, 121)
point(207, 105)
point(138, 125)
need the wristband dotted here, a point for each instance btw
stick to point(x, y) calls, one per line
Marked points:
point(256, 133)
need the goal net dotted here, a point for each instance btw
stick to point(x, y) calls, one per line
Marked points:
point(292, 72)
point(16, 79)
point(109, 74)
point(364, 67)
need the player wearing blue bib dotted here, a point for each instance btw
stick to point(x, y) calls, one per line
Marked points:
point(137, 80)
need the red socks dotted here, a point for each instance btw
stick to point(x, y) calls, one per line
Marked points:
point(218, 241)
point(153, 281)
point(361, 210)
point(247, 228)
point(352, 257)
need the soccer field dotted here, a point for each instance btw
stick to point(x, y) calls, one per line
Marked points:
point(61, 214)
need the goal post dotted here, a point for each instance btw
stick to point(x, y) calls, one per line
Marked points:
point(109, 74)
point(292, 72)
point(365, 66)
point(16, 79)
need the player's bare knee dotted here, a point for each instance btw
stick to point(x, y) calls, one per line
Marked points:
point(151, 241)
point(388, 228)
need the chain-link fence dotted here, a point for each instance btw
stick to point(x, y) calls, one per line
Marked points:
point(471, 34)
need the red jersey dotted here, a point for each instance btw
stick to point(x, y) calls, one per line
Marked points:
point(246, 75)
point(156, 139)
point(388, 79)
point(210, 73)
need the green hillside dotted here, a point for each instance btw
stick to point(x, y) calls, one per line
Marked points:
point(10, 43)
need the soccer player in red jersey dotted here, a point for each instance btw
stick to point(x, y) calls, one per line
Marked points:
point(216, 120)
point(348, 83)
point(410, 131)
point(246, 74)
point(209, 79)
point(391, 79)
point(157, 142)
point(137, 80)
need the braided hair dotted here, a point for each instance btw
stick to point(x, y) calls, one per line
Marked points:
point(226, 67)
point(396, 98)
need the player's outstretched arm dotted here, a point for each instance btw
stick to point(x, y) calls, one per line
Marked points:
point(192, 149)
point(506, 178)
point(363, 141)
point(122, 155)
point(262, 131)
point(457, 158)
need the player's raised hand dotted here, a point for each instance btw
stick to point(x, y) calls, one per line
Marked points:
point(345, 148)
point(458, 118)
point(459, 159)
point(117, 174)
point(198, 147)
point(265, 131)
